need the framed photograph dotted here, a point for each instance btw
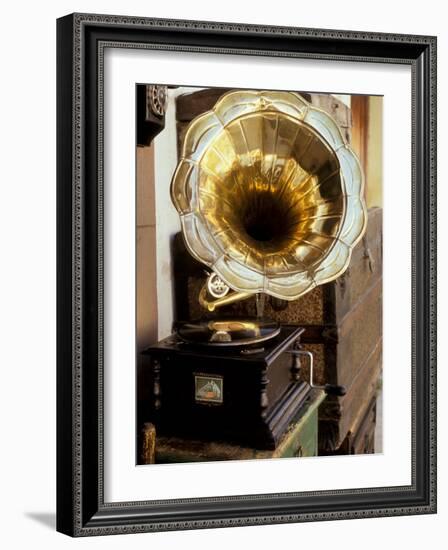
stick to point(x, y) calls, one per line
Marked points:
point(246, 274)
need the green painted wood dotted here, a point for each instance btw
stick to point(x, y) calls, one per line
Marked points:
point(300, 440)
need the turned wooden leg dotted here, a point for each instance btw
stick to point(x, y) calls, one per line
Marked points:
point(148, 444)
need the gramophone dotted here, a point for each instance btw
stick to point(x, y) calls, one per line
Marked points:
point(270, 199)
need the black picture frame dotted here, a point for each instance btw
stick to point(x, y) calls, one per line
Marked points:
point(81, 39)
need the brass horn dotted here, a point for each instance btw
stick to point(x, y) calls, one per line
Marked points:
point(269, 194)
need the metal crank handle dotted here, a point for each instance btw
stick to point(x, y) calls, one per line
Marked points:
point(329, 389)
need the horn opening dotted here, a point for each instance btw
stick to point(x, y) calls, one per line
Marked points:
point(269, 194)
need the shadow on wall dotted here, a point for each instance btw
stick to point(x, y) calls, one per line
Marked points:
point(47, 519)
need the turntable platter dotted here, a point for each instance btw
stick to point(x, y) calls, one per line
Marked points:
point(228, 332)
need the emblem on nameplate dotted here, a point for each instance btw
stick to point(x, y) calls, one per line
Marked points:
point(208, 389)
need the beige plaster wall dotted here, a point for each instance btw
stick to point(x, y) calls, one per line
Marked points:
point(374, 168)
point(146, 299)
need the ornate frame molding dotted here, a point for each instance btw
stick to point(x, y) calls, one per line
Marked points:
point(82, 39)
